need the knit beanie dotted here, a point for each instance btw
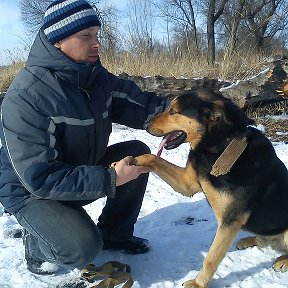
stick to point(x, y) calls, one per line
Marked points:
point(64, 18)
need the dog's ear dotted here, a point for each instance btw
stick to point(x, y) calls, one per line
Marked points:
point(233, 113)
point(218, 111)
point(226, 115)
point(218, 115)
point(218, 120)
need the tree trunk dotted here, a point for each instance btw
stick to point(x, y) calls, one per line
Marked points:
point(210, 33)
point(212, 17)
point(234, 26)
point(193, 24)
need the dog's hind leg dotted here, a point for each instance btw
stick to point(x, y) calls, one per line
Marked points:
point(281, 263)
point(277, 242)
point(246, 242)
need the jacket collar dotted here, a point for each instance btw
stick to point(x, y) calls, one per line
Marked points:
point(44, 54)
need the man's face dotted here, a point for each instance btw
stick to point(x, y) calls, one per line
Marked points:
point(82, 46)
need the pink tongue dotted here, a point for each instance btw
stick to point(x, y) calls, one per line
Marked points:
point(165, 139)
point(161, 146)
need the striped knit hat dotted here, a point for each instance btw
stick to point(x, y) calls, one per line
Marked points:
point(64, 18)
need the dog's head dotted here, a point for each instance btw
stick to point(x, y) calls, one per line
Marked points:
point(201, 117)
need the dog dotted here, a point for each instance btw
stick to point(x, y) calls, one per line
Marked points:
point(236, 167)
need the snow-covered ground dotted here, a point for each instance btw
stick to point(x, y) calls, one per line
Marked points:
point(180, 231)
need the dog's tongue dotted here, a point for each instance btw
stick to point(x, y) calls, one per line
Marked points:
point(163, 142)
point(161, 146)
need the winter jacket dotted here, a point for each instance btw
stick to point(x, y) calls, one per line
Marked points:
point(56, 120)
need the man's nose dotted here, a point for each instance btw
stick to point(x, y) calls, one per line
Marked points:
point(96, 43)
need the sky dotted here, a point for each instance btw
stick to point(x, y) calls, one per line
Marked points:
point(180, 231)
point(12, 33)
point(11, 29)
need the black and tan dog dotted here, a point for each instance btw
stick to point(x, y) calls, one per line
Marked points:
point(236, 167)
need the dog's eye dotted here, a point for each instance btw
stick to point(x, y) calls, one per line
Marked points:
point(171, 111)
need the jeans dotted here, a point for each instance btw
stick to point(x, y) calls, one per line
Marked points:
point(62, 232)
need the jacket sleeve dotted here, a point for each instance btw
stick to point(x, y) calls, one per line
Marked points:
point(131, 106)
point(27, 140)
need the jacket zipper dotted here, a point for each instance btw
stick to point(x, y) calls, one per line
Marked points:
point(92, 152)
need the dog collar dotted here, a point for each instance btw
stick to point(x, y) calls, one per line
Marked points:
point(229, 156)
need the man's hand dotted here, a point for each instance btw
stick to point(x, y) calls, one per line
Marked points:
point(126, 172)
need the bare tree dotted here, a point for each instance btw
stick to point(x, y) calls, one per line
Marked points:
point(109, 34)
point(213, 14)
point(140, 26)
point(232, 17)
point(32, 13)
point(262, 20)
point(181, 13)
point(237, 35)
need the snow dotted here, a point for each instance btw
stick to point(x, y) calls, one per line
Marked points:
point(180, 231)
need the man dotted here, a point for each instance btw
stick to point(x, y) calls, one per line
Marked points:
point(56, 120)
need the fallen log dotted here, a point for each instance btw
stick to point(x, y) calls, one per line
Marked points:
point(269, 86)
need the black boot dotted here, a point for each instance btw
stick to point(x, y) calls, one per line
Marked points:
point(33, 265)
point(134, 245)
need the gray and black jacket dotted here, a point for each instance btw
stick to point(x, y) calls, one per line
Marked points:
point(56, 120)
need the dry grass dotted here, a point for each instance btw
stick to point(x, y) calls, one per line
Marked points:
point(16, 58)
point(163, 64)
point(240, 66)
point(7, 74)
point(181, 65)
point(177, 64)
point(276, 128)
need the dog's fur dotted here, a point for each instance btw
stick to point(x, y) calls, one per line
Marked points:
point(252, 196)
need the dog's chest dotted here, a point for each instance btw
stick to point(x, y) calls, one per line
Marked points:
point(218, 200)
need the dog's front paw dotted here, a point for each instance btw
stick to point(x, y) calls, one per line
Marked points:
point(281, 264)
point(192, 284)
point(112, 165)
point(246, 243)
point(143, 160)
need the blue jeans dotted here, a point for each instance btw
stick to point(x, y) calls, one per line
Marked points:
point(62, 232)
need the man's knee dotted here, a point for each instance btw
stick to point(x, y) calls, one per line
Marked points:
point(81, 252)
point(140, 148)
point(87, 254)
